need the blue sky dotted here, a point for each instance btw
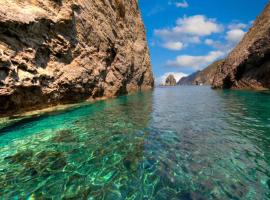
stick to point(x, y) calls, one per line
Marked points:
point(186, 35)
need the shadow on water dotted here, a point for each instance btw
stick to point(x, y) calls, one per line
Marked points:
point(249, 115)
point(92, 151)
point(248, 103)
point(19, 122)
point(175, 143)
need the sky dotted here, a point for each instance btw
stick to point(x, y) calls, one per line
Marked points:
point(187, 35)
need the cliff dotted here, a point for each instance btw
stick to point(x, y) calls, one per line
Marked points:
point(207, 75)
point(204, 77)
point(188, 80)
point(248, 65)
point(54, 52)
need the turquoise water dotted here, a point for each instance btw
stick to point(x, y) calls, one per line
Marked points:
point(173, 143)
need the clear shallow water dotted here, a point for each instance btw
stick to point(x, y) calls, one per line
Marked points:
point(174, 143)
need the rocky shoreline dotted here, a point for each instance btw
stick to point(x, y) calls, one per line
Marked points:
point(58, 52)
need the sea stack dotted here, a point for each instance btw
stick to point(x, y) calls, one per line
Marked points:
point(54, 52)
point(170, 81)
point(248, 65)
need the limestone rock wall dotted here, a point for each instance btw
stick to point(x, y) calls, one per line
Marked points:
point(61, 51)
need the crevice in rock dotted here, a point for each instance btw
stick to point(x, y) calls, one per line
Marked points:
point(140, 83)
point(3, 74)
point(240, 71)
point(42, 57)
point(120, 7)
point(6, 104)
point(57, 2)
point(76, 8)
point(227, 82)
point(111, 54)
point(128, 78)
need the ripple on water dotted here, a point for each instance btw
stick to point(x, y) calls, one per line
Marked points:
point(173, 143)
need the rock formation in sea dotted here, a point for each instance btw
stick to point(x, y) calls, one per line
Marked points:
point(54, 52)
point(204, 77)
point(248, 65)
point(170, 81)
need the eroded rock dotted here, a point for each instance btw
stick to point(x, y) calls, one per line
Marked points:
point(55, 52)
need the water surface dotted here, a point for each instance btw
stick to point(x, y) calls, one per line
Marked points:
point(173, 143)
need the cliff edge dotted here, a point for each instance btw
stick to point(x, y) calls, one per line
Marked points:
point(60, 51)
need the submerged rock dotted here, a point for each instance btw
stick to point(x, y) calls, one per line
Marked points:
point(20, 157)
point(55, 52)
point(26, 165)
point(64, 136)
point(170, 81)
point(248, 65)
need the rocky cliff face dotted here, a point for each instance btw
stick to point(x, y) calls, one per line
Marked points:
point(61, 51)
point(188, 80)
point(207, 75)
point(170, 81)
point(248, 65)
point(204, 77)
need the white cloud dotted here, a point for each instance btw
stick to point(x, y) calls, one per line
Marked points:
point(175, 46)
point(197, 25)
point(235, 35)
point(155, 10)
point(215, 44)
point(199, 29)
point(177, 76)
point(251, 23)
point(183, 4)
point(194, 40)
point(235, 32)
point(189, 30)
point(195, 62)
point(237, 26)
point(209, 42)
